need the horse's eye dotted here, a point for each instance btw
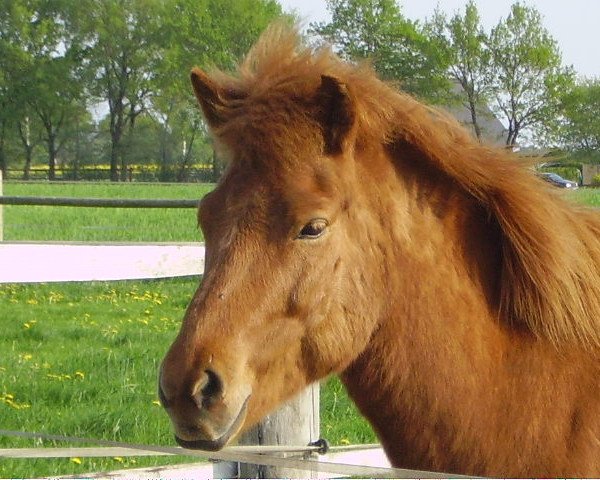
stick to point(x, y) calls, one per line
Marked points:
point(313, 229)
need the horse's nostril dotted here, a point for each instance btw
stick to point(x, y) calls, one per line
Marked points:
point(208, 390)
point(213, 386)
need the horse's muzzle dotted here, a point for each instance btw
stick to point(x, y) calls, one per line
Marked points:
point(220, 442)
point(202, 418)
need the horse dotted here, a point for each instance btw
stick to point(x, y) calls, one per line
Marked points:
point(358, 232)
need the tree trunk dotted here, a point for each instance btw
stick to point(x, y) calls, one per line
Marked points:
point(52, 153)
point(513, 133)
point(24, 133)
point(2, 153)
point(123, 168)
point(186, 157)
point(476, 127)
point(116, 133)
point(27, 166)
point(77, 159)
point(215, 165)
point(114, 161)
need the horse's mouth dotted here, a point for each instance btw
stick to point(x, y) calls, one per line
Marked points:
point(212, 445)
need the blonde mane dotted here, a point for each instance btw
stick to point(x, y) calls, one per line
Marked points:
point(550, 269)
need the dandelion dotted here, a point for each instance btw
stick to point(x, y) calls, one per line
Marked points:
point(9, 400)
point(79, 375)
point(76, 460)
point(156, 402)
point(55, 297)
point(119, 459)
point(110, 331)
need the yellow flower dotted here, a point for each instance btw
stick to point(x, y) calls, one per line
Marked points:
point(9, 399)
point(345, 441)
point(155, 402)
point(76, 460)
point(79, 374)
point(119, 459)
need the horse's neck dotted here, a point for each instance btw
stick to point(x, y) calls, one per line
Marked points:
point(439, 333)
point(443, 379)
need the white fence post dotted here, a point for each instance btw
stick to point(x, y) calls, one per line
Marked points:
point(296, 423)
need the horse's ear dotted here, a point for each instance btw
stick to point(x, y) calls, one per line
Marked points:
point(210, 96)
point(337, 113)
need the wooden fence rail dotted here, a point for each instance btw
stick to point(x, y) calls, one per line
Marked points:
point(98, 202)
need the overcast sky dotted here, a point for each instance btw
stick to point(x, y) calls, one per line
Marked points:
point(574, 24)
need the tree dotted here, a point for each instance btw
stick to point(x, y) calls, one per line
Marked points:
point(123, 53)
point(198, 32)
point(12, 59)
point(7, 108)
point(462, 41)
point(29, 140)
point(54, 97)
point(397, 47)
point(43, 67)
point(527, 76)
point(580, 128)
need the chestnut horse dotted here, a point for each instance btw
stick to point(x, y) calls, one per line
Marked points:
point(358, 232)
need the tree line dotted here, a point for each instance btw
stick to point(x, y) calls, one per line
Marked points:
point(515, 68)
point(106, 82)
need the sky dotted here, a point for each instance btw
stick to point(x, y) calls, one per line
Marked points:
point(574, 24)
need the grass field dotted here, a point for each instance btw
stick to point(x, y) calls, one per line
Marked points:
point(103, 224)
point(81, 359)
point(586, 196)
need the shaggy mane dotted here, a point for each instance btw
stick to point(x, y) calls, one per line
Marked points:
point(550, 273)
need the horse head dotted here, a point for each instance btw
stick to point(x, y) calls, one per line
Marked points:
point(284, 300)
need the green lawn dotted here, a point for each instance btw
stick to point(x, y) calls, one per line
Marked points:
point(586, 196)
point(103, 224)
point(81, 359)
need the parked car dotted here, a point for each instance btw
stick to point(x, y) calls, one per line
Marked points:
point(558, 181)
